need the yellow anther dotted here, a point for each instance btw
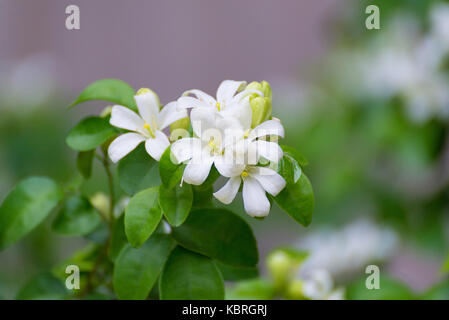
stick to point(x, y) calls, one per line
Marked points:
point(148, 127)
point(244, 174)
point(218, 106)
point(246, 134)
point(212, 143)
point(142, 91)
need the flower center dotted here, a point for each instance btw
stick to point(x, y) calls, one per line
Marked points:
point(214, 147)
point(149, 129)
point(244, 174)
point(246, 134)
point(218, 105)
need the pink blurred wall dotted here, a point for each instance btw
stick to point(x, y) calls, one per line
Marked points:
point(169, 45)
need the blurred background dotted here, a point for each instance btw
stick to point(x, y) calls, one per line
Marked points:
point(368, 108)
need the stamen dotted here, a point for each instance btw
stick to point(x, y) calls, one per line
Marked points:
point(148, 128)
point(244, 174)
point(218, 106)
point(246, 134)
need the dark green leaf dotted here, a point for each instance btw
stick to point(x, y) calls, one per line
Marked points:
point(169, 171)
point(190, 276)
point(290, 165)
point(142, 216)
point(137, 171)
point(118, 238)
point(77, 217)
point(220, 234)
point(43, 287)
point(84, 162)
point(176, 203)
point(27, 205)
point(202, 197)
point(254, 289)
point(297, 200)
point(112, 90)
point(233, 273)
point(136, 270)
point(90, 133)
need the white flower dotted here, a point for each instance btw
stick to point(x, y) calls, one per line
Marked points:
point(146, 127)
point(256, 181)
point(320, 286)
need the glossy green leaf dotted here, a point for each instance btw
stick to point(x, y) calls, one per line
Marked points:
point(27, 205)
point(112, 90)
point(220, 234)
point(43, 287)
point(176, 203)
point(254, 289)
point(90, 133)
point(118, 238)
point(297, 200)
point(137, 171)
point(77, 217)
point(169, 171)
point(142, 216)
point(84, 162)
point(190, 276)
point(136, 270)
point(290, 165)
point(233, 273)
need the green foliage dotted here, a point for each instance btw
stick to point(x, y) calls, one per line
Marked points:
point(136, 270)
point(190, 276)
point(390, 289)
point(118, 238)
point(170, 172)
point(112, 90)
point(77, 217)
point(233, 273)
point(142, 216)
point(297, 200)
point(84, 162)
point(26, 206)
point(137, 171)
point(220, 234)
point(254, 289)
point(90, 133)
point(43, 287)
point(176, 203)
point(290, 164)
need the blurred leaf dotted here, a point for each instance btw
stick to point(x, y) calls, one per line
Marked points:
point(90, 133)
point(233, 273)
point(26, 206)
point(220, 234)
point(137, 171)
point(254, 289)
point(297, 200)
point(142, 216)
point(136, 270)
point(43, 287)
point(84, 162)
point(169, 171)
point(118, 238)
point(445, 268)
point(77, 217)
point(84, 258)
point(190, 276)
point(438, 292)
point(176, 203)
point(390, 289)
point(112, 90)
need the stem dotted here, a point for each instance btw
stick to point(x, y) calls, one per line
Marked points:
point(111, 192)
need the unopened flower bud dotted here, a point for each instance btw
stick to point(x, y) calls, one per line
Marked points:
point(100, 201)
point(279, 266)
point(183, 124)
point(261, 106)
point(294, 290)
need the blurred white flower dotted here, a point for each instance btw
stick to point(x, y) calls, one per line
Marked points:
point(319, 285)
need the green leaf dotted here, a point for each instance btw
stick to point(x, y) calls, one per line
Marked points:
point(254, 289)
point(84, 258)
point(137, 171)
point(84, 162)
point(297, 200)
point(118, 238)
point(233, 273)
point(90, 133)
point(43, 287)
point(169, 171)
point(190, 276)
point(112, 90)
point(293, 153)
point(290, 165)
point(136, 270)
point(445, 268)
point(202, 197)
point(27, 205)
point(176, 203)
point(390, 289)
point(142, 216)
point(440, 291)
point(77, 217)
point(220, 234)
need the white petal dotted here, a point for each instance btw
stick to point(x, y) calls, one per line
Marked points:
point(123, 145)
point(269, 150)
point(228, 192)
point(227, 90)
point(254, 199)
point(245, 93)
point(169, 114)
point(184, 149)
point(202, 119)
point(269, 127)
point(148, 105)
point(227, 166)
point(124, 118)
point(156, 146)
point(201, 95)
point(191, 102)
point(196, 172)
point(241, 111)
point(270, 180)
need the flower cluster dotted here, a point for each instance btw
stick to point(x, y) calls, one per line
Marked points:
point(233, 132)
